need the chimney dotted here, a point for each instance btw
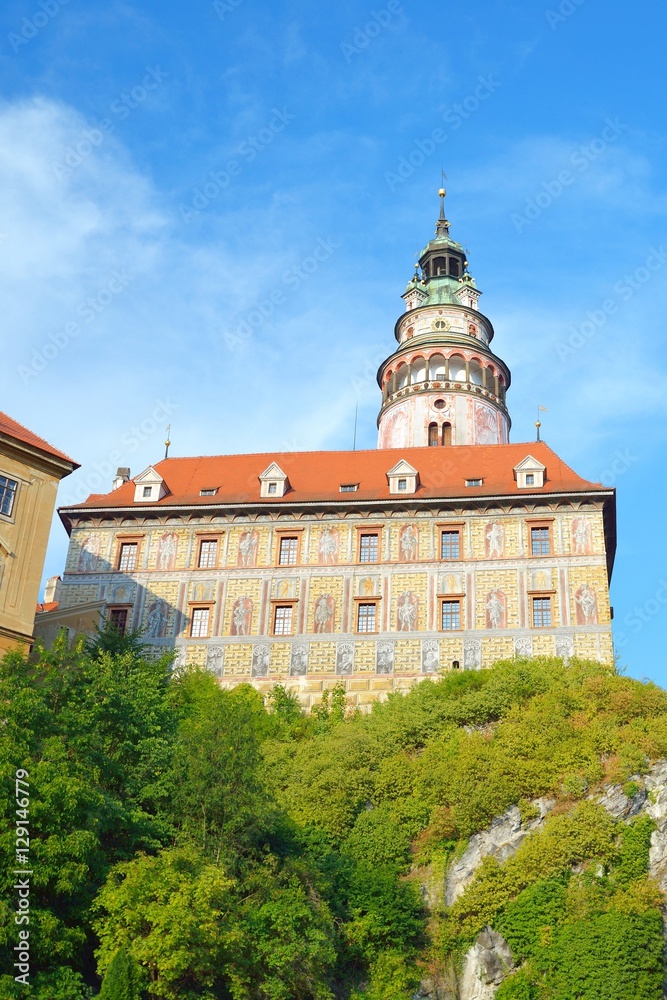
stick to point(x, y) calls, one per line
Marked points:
point(52, 589)
point(122, 476)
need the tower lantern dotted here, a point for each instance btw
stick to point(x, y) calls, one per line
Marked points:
point(443, 385)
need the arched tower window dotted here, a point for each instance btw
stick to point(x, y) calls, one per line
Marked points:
point(446, 434)
point(432, 435)
point(439, 266)
point(454, 269)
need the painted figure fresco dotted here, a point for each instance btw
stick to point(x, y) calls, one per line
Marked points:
point(472, 654)
point(582, 540)
point(409, 542)
point(89, 554)
point(345, 659)
point(215, 657)
point(587, 605)
point(495, 605)
point(261, 655)
point(407, 612)
point(486, 425)
point(495, 540)
point(324, 613)
point(430, 656)
point(203, 590)
point(367, 586)
point(248, 543)
point(328, 546)
point(299, 661)
point(384, 658)
point(156, 619)
point(523, 645)
point(241, 616)
point(166, 551)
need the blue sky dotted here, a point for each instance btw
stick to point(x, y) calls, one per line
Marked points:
point(167, 171)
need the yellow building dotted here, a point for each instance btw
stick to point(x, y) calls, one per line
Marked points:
point(445, 548)
point(30, 470)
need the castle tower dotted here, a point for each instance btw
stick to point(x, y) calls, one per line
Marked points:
point(443, 385)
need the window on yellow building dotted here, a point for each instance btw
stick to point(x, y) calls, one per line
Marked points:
point(8, 488)
point(367, 617)
point(288, 551)
point(127, 560)
point(200, 623)
point(283, 619)
point(208, 553)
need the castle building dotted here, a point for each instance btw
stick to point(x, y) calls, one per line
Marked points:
point(30, 470)
point(445, 548)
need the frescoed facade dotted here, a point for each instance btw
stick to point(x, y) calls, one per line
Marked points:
point(445, 548)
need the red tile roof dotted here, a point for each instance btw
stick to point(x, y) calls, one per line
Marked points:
point(317, 475)
point(11, 428)
point(49, 606)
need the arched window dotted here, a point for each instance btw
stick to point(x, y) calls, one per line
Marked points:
point(446, 434)
point(432, 435)
point(402, 376)
point(454, 269)
point(457, 368)
point(440, 265)
point(418, 370)
point(475, 373)
point(437, 369)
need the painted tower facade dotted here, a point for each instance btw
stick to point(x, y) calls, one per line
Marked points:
point(443, 385)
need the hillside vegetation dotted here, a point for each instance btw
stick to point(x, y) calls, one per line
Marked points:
point(189, 842)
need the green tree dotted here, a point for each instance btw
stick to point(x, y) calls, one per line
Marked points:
point(122, 979)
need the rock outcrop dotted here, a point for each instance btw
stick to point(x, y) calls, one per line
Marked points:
point(500, 840)
point(490, 959)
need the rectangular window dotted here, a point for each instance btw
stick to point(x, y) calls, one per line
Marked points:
point(402, 484)
point(282, 619)
point(208, 553)
point(367, 618)
point(451, 615)
point(147, 491)
point(206, 492)
point(118, 618)
point(474, 482)
point(541, 612)
point(348, 488)
point(288, 551)
point(540, 543)
point(272, 488)
point(8, 488)
point(368, 549)
point(530, 479)
point(128, 556)
point(200, 619)
point(450, 545)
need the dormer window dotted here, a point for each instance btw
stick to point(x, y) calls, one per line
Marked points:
point(149, 486)
point(403, 478)
point(474, 482)
point(273, 482)
point(530, 474)
point(348, 487)
point(208, 491)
